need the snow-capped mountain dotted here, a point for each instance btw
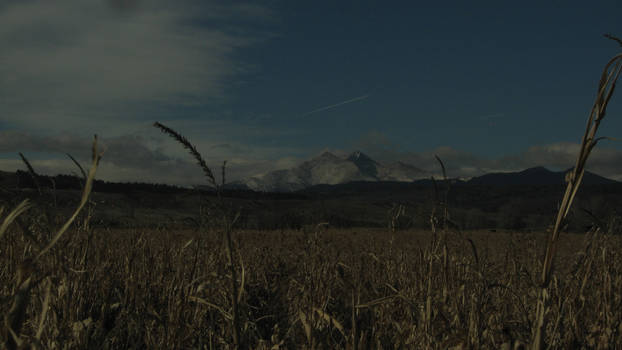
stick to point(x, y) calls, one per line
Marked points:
point(331, 169)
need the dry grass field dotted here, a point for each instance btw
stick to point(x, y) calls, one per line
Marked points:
point(321, 289)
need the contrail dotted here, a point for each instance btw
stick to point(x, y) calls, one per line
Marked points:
point(492, 116)
point(336, 105)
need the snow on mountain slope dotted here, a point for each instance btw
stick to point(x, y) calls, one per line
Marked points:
point(331, 169)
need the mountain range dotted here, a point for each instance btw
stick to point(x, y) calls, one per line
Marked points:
point(357, 168)
point(329, 169)
point(536, 176)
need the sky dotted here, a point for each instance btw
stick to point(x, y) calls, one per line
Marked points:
point(486, 85)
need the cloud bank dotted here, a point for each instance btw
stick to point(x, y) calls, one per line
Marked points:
point(70, 69)
point(130, 158)
point(103, 66)
point(135, 158)
point(555, 156)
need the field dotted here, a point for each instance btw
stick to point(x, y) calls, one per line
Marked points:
point(320, 288)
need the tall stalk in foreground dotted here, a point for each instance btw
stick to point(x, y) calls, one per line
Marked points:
point(228, 224)
point(606, 87)
point(27, 276)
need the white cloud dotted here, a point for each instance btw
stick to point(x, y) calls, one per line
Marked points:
point(603, 160)
point(130, 158)
point(85, 66)
point(71, 68)
point(163, 160)
point(556, 156)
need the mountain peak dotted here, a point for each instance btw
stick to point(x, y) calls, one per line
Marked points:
point(536, 169)
point(327, 155)
point(359, 156)
point(367, 166)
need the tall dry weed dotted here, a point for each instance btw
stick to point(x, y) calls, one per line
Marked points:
point(228, 223)
point(606, 86)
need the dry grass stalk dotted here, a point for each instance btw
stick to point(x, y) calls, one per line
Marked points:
point(79, 167)
point(234, 294)
point(609, 36)
point(21, 207)
point(31, 171)
point(25, 279)
point(606, 87)
point(86, 192)
point(193, 151)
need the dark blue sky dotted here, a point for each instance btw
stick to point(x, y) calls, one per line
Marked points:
point(487, 85)
point(489, 79)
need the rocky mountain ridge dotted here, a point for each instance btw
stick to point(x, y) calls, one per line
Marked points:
point(330, 169)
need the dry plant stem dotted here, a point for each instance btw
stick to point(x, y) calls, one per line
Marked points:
point(228, 225)
point(234, 288)
point(445, 209)
point(193, 151)
point(606, 87)
point(224, 165)
point(21, 207)
point(79, 167)
point(44, 311)
point(616, 39)
point(14, 319)
point(88, 186)
point(31, 171)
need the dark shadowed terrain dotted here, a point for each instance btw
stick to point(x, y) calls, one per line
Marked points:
point(525, 200)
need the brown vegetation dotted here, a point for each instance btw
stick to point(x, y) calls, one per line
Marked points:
point(316, 289)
